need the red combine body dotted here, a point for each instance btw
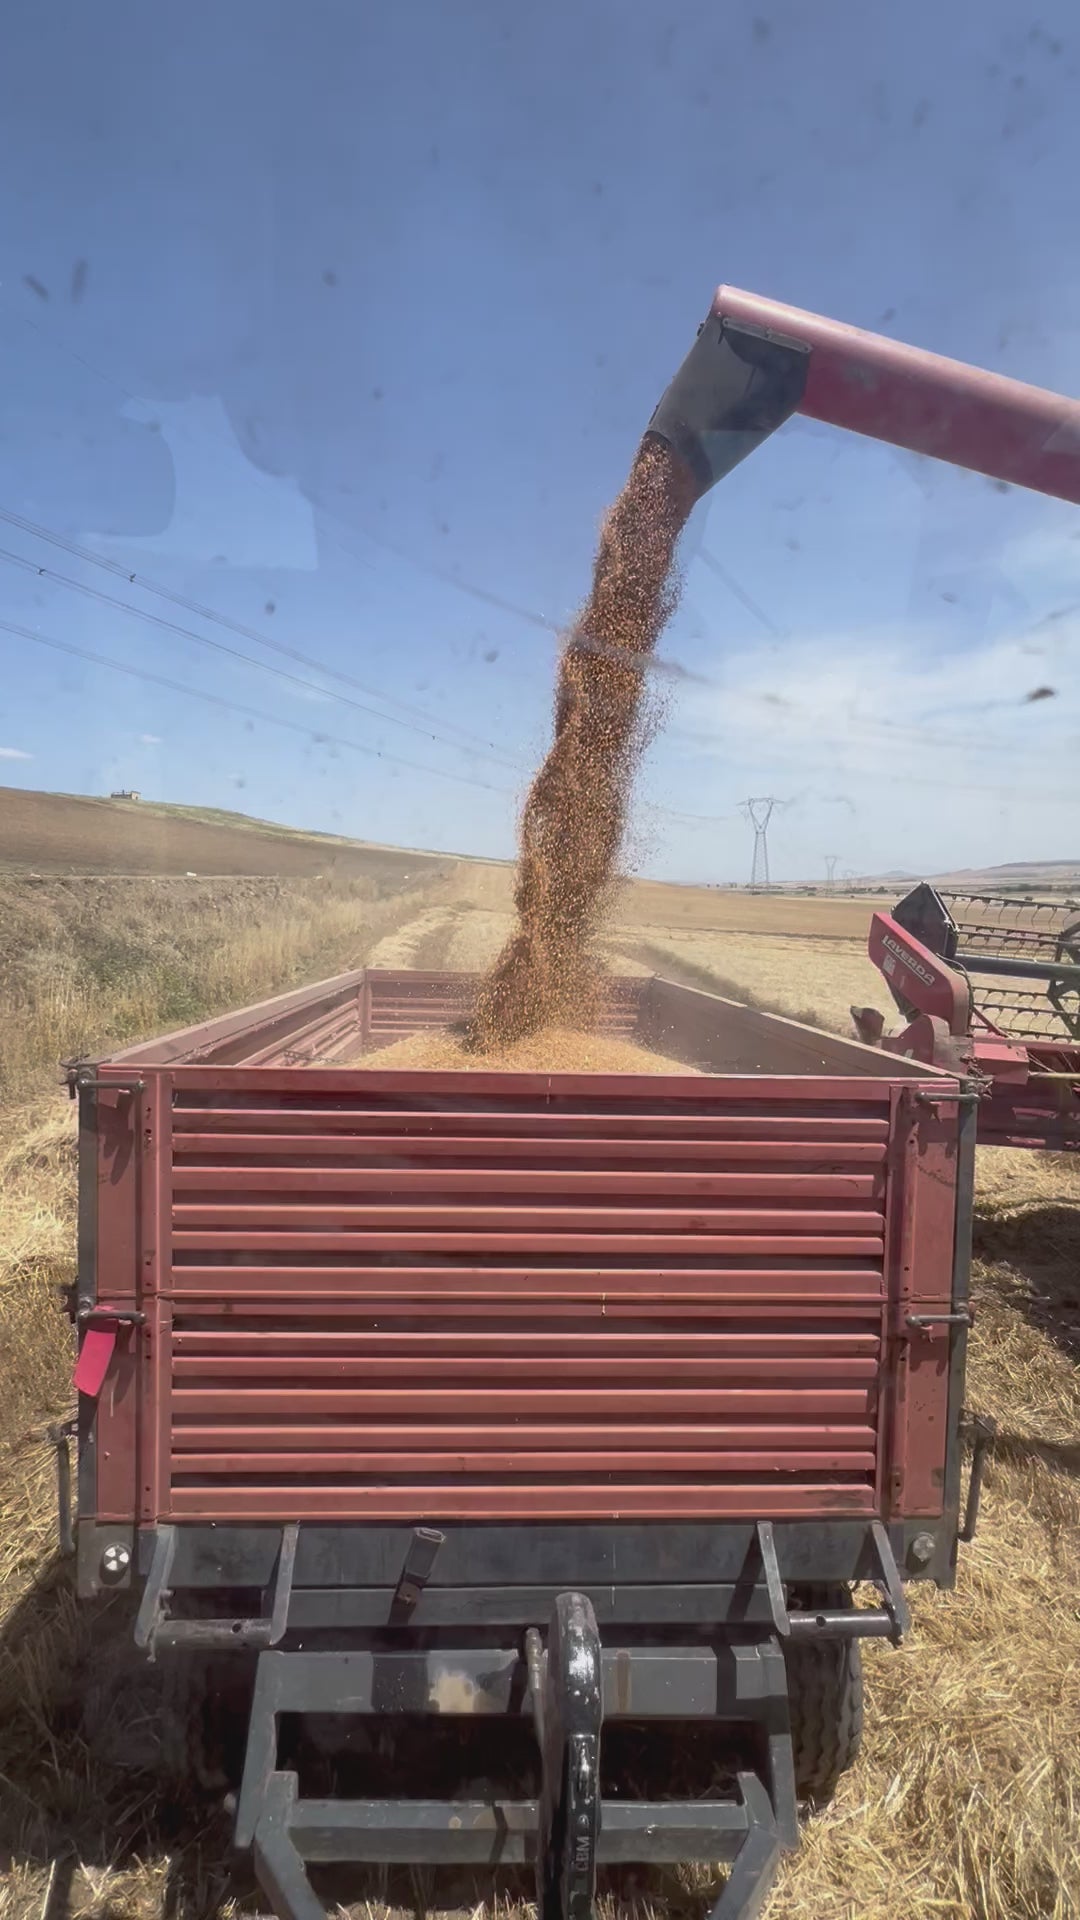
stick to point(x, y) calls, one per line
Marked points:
point(990, 988)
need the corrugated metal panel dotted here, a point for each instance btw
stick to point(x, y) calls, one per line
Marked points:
point(398, 1003)
point(428, 1296)
point(270, 1033)
point(401, 1003)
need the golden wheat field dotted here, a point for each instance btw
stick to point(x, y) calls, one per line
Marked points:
point(965, 1803)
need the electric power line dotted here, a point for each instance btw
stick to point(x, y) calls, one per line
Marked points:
point(890, 730)
point(690, 819)
point(318, 734)
point(732, 585)
point(220, 646)
point(485, 595)
point(219, 619)
point(262, 666)
point(431, 567)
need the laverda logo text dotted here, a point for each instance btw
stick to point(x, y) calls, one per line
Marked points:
point(914, 966)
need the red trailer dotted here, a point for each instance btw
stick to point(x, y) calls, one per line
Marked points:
point(579, 1397)
point(407, 1385)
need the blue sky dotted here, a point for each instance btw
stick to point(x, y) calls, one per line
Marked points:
point(344, 322)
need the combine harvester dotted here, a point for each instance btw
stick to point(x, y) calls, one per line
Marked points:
point(552, 1404)
point(990, 989)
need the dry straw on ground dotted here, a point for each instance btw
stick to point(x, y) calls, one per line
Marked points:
point(87, 963)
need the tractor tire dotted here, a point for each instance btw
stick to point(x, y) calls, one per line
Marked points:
point(825, 1690)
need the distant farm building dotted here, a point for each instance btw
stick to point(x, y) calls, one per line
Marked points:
point(122, 795)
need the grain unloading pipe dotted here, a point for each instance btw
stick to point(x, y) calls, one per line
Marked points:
point(756, 362)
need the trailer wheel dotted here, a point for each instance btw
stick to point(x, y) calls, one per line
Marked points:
point(825, 1688)
point(205, 1704)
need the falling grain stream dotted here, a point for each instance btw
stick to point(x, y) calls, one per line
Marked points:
point(574, 819)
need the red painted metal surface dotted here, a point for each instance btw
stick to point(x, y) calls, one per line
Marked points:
point(553, 1500)
point(115, 1210)
point(1044, 1113)
point(1029, 1088)
point(739, 1130)
point(378, 1295)
point(921, 1233)
point(292, 1027)
point(918, 975)
point(932, 405)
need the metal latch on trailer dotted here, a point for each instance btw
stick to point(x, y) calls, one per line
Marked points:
point(110, 1317)
point(965, 1095)
point(81, 1077)
point(965, 1318)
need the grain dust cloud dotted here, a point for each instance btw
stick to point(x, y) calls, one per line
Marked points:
point(574, 818)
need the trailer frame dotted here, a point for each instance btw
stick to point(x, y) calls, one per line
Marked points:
point(562, 1625)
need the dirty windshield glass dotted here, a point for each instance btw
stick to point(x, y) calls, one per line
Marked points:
point(539, 960)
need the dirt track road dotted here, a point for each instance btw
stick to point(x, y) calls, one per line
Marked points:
point(765, 947)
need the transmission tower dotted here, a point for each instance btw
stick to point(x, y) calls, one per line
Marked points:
point(830, 868)
point(759, 812)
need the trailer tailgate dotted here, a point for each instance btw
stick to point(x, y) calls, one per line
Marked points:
point(397, 1296)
